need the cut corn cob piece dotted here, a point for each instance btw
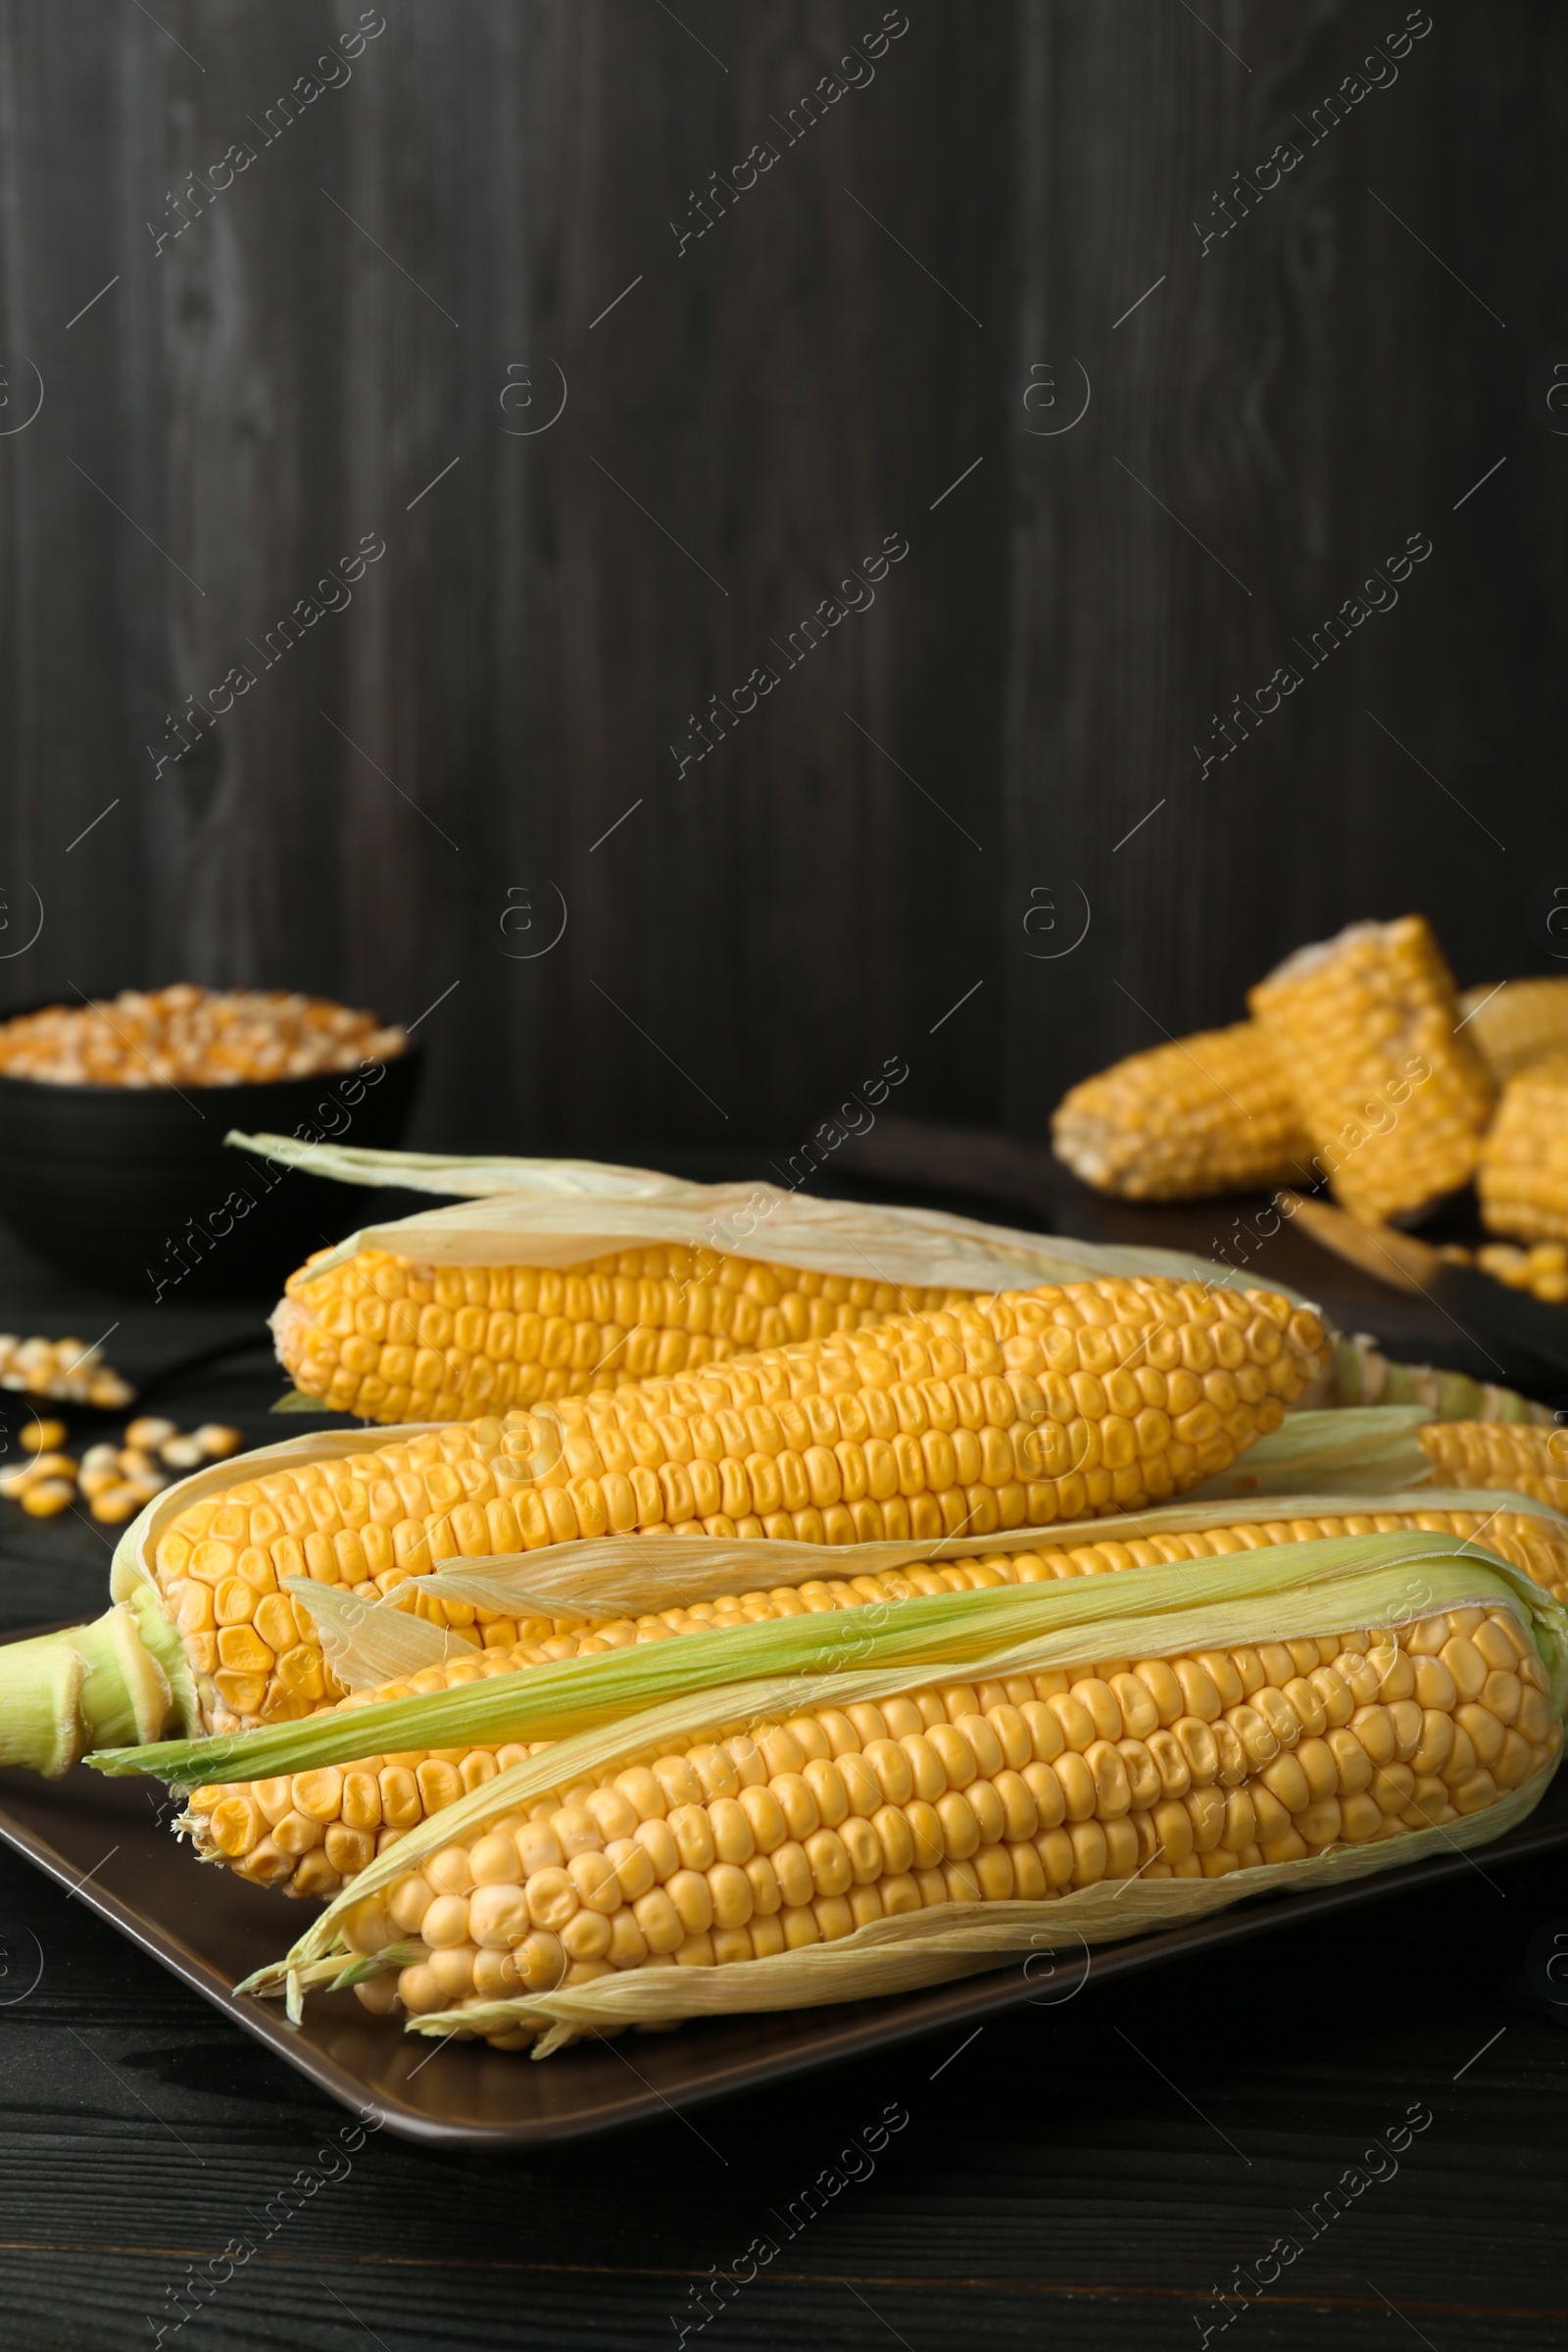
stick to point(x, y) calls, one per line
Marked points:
point(1210, 1113)
point(1523, 1177)
point(960, 1793)
point(1493, 1453)
point(1008, 1412)
point(1516, 1024)
point(310, 1831)
point(389, 1339)
point(1393, 1093)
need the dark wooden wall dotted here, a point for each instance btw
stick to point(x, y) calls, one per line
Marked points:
point(774, 921)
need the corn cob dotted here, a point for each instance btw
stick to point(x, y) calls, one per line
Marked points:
point(1015, 1411)
point(1523, 1177)
point(1393, 1094)
point(310, 1831)
point(390, 1339)
point(1516, 1024)
point(689, 1722)
point(962, 1793)
point(1210, 1113)
point(1525, 1460)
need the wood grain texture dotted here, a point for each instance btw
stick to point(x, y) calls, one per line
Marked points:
point(1301, 395)
point(361, 334)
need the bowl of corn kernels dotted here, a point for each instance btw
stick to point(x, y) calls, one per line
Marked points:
point(112, 1116)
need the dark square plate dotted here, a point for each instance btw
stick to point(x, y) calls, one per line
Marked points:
point(105, 1841)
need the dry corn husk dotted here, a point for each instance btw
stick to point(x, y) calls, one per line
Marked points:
point(604, 1711)
point(560, 1212)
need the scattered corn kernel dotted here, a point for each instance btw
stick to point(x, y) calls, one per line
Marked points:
point(61, 1368)
point(117, 1503)
point(45, 1497)
point(218, 1440)
point(53, 1465)
point(149, 1432)
point(115, 1480)
point(44, 1437)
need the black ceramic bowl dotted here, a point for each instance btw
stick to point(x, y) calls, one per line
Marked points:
point(134, 1190)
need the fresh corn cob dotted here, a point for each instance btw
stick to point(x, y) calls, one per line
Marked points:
point(1444, 1665)
point(1015, 1411)
point(1393, 1094)
point(310, 1831)
point(1523, 1177)
point(1516, 1024)
point(990, 1790)
point(1210, 1113)
point(1530, 1461)
point(390, 1339)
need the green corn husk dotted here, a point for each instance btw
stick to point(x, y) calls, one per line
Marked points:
point(123, 1675)
point(1361, 1450)
point(1361, 1375)
point(560, 1213)
point(1365, 1582)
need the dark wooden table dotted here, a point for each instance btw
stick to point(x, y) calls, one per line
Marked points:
point(1090, 2175)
